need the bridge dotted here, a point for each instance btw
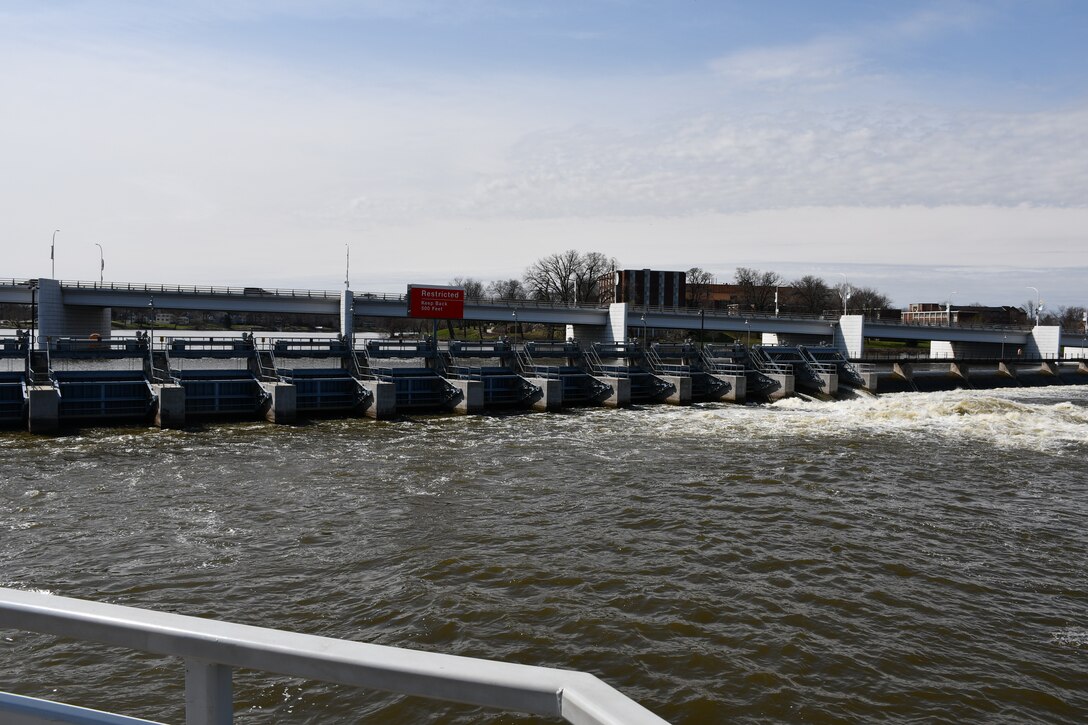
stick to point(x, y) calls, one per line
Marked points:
point(78, 309)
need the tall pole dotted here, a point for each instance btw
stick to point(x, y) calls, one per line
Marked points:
point(845, 292)
point(33, 314)
point(776, 300)
point(53, 254)
point(702, 328)
point(1038, 302)
point(101, 263)
point(151, 339)
point(347, 266)
point(948, 308)
point(643, 330)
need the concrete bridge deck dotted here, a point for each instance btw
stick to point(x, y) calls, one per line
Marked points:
point(76, 309)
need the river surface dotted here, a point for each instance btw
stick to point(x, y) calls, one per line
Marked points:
point(906, 558)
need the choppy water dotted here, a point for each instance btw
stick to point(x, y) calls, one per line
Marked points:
point(911, 558)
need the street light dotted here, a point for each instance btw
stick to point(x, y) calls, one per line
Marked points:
point(702, 328)
point(515, 314)
point(1038, 303)
point(151, 339)
point(101, 263)
point(845, 292)
point(643, 330)
point(748, 327)
point(53, 254)
point(776, 300)
point(948, 307)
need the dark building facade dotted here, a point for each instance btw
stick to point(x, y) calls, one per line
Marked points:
point(646, 287)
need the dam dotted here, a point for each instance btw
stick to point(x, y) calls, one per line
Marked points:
point(68, 370)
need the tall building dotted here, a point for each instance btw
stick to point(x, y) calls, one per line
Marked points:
point(645, 287)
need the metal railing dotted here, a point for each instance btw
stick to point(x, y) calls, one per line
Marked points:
point(211, 648)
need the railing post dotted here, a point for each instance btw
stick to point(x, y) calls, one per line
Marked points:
point(209, 699)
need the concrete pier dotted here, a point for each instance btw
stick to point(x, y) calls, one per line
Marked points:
point(785, 386)
point(383, 399)
point(551, 398)
point(472, 396)
point(282, 406)
point(738, 388)
point(43, 402)
point(829, 382)
point(681, 394)
point(870, 381)
point(169, 406)
point(621, 392)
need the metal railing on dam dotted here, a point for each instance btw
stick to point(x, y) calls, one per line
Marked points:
point(210, 649)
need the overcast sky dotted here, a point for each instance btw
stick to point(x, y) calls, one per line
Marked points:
point(922, 148)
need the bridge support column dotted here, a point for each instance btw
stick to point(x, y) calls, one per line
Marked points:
point(56, 319)
point(621, 392)
point(347, 315)
point(43, 404)
point(551, 398)
point(383, 399)
point(472, 396)
point(850, 336)
point(282, 407)
point(169, 406)
point(738, 388)
point(681, 394)
point(1045, 341)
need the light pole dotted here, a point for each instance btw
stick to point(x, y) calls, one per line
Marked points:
point(643, 330)
point(748, 332)
point(1038, 303)
point(53, 254)
point(151, 339)
point(347, 266)
point(948, 308)
point(845, 292)
point(776, 300)
point(101, 263)
point(515, 314)
point(702, 328)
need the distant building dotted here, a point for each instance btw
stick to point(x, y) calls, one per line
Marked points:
point(645, 287)
point(934, 313)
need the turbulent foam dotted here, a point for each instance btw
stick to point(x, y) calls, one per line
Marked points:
point(1054, 421)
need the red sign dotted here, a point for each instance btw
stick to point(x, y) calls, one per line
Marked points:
point(444, 303)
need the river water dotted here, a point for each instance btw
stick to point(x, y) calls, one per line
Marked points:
point(911, 557)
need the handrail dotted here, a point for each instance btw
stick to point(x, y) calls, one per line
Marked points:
point(212, 647)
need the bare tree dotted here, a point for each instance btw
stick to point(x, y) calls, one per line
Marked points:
point(1072, 319)
point(865, 299)
point(474, 288)
point(507, 289)
point(756, 288)
point(698, 283)
point(591, 267)
point(567, 276)
point(811, 294)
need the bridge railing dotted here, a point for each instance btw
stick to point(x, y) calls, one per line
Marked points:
point(211, 648)
point(198, 289)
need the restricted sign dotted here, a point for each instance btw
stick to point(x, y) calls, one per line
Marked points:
point(443, 303)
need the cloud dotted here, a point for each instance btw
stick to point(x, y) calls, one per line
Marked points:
point(861, 157)
point(818, 62)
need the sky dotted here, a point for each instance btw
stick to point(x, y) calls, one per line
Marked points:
point(936, 151)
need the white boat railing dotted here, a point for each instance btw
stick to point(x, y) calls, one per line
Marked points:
point(211, 648)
